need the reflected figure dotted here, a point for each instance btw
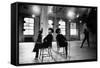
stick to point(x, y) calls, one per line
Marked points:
point(38, 44)
point(47, 41)
point(86, 34)
point(61, 40)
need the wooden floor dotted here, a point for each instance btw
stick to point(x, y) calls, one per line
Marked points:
point(74, 52)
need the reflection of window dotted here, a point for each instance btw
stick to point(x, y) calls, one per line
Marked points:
point(73, 30)
point(29, 26)
point(62, 26)
point(50, 22)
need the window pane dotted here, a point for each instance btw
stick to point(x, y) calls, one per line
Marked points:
point(28, 26)
point(31, 28)
point(26, 19)
point(73, 25)
point(50, 26)
point(31, 25)
point(62, 27)
point(63, 32)
point(50, 9)
point(73, 32)
point(28, 32)
point(29, 20)
point(50, 22)
point(61, 22)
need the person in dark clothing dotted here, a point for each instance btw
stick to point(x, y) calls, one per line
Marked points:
point(47, 41)
point(86, 33)
point(38, 44)
point(61, 40)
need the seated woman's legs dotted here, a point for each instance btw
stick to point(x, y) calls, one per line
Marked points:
point(66, 50)
point(36, 56)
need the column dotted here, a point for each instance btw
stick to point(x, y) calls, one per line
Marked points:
point(44, 20)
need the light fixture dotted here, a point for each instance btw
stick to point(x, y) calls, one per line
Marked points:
point(33, 15)
point(77, 15)
point(80, 21)
point(36, 9)
point(69, 20)
point(70, 14)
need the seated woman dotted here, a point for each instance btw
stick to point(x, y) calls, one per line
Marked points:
point(38, 44)
point(47, 41)
point(61, 40)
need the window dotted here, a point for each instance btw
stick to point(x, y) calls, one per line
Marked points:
point(62, 27)
point(50, 9)
point(50, 22)
point(73, 30)
point(28, 26)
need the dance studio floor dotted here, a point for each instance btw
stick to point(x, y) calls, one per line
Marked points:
point(74, 52)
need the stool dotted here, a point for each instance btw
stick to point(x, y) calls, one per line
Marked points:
point(61, 52)
point(44, 52)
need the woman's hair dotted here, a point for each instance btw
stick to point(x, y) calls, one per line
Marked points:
point(58, 30)
point(51, 30)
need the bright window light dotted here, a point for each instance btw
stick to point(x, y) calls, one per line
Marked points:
point(62, 26)
point(28, 32)
point(50, 9)
point(29, 20)
point(73, 30)
point(50, 22)
point(63, 32)
point(28, 26)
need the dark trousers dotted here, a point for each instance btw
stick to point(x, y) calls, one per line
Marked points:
point(37, 52)
point(36, 49)
point(86, 38)
point(66, 50)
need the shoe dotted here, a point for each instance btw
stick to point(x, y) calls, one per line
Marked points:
point(66, 56)
point(36, 59)
point(80, 47)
